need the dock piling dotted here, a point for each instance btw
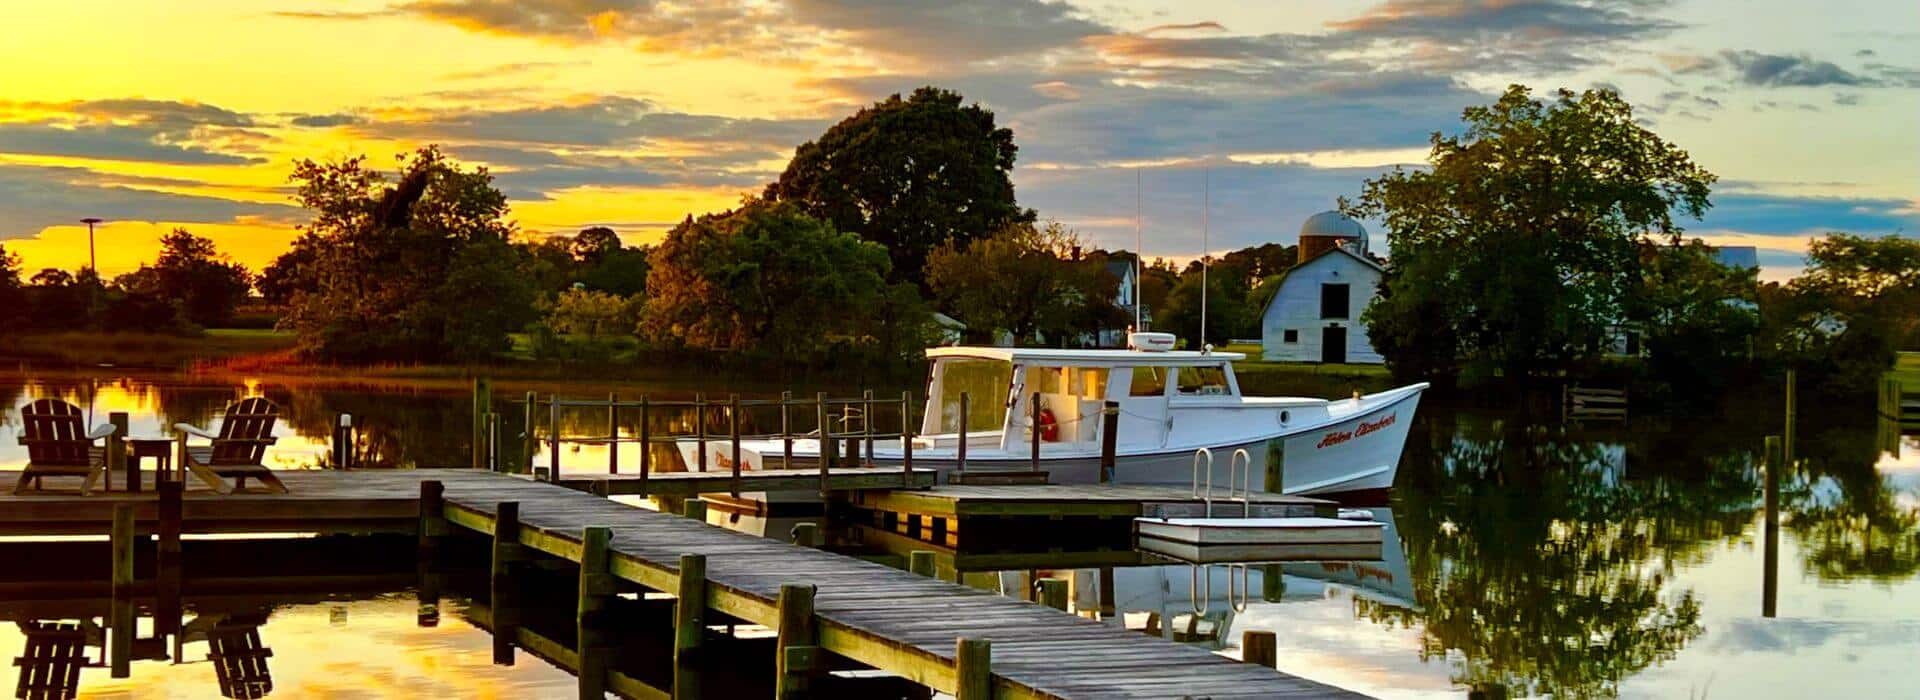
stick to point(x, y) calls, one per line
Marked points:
point(1033, 430)
point(553, 437)
point(786, 430)
point(960, 450)
point(167, 557)
point(922, 562)
point(120, 636)
point(117, 462)
point(806, 534)
point(1776, 461)
point(1053, 593)
point(733, 435)
point(1260, 647)
point(482, 405)
point(1109, 439)
point(826, 442)
point(689, 624)
point(700, 428)
point(906, 439)
point(646, 446)
point(613, 433)
point(973, 669)
point(866, 425)
point(798, 652)
point(694, 509)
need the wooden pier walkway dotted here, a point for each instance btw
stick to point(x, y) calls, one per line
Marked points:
point(693, 483)
point(873, 614)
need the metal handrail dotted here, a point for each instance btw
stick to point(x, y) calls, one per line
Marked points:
point(1206, 498)
point(1201, 604)
point(1238, 604)
point(1242, 461)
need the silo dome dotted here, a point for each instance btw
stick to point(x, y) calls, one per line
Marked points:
point(1332, 224)
point(1328, 230)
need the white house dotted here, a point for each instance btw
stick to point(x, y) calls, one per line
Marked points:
point(1314, 316)
point(1122, 267)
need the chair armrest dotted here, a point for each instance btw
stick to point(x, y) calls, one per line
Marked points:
point(100, 431)
point(194, 431)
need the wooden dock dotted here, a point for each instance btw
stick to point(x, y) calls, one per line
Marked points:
point(693, 483)
point(1057, 501)
point(816, 601)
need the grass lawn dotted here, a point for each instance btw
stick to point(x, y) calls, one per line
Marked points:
point(151, 350)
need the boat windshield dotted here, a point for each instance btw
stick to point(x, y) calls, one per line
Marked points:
point(984, 381)
point(1203, 380)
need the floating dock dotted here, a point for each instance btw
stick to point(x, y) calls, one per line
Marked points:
point(948, 637)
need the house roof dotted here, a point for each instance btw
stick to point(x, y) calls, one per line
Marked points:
point(1120, 268)
point(1336, 249)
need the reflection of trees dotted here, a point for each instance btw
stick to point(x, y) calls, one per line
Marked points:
point(1540, 559)
point(1849, 518)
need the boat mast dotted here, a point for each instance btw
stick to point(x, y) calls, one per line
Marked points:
point(1139, 255)
point(1206, 203)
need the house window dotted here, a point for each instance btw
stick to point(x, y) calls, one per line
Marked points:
point(1333, 301)
point(1290, 336)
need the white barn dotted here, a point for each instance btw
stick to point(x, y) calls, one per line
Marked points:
point(1314, 316)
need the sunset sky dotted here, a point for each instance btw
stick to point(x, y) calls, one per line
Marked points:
point(635, 114)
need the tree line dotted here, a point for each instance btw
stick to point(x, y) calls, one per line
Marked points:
point(1549, 230)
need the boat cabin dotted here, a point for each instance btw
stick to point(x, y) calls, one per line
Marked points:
point(1001, 385)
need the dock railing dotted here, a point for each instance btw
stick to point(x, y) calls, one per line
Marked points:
point(847, 429)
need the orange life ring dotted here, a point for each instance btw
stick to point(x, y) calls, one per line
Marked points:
point(1049, 428)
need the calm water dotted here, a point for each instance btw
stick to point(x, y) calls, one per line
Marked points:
point(1526, 556)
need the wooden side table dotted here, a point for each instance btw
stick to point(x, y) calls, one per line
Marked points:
point(160, 449)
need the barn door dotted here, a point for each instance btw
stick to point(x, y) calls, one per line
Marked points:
point(1333, 345)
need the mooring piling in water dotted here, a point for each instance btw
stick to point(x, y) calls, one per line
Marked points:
point(689, 624)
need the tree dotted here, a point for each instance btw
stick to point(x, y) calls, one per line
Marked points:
point(1698, 315)
point(1021, 281)
point(56, 300)
point(13, 296)
point(291, 271)
point(418, 271)
point(764, 280)
point(1843, 321)
point(592, 245)
point(591, 313)
point(1523, 234)
point(192, 275)
point(910, 174)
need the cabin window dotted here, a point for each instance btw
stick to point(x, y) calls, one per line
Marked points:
point(1148, 381)
point(1333, 301)
point(1290, 335)
point(1204, 381)
point(985, 382)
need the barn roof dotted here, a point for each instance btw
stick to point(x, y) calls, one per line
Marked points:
point(1336, 249)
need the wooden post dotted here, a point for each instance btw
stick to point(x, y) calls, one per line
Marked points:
point(973, 669)
point(343, 442)
point(906, 439)
point(1109, 439)
point(1107, 607)
point(1053, 593)
point(806, 534)
point(1260, 647)
point(960, 451)
point(866, 425)
point(528, 445)
point(797, 649)
point(646, 446)
point(695, 509)
point(786, 430)
point(116, 457)
point(167, 556)
point(700, 428)
point(553, 437)
point(482, 405)
point(1033, 427)
point(1776, 461)
point(923, 563)
point(503, 590)
point(733, 434)
point(613, 433)
point(826, 443)
point(1793, 403)
point(596, 588)
point(689, 624)
point(121, 636)
point(433, 522)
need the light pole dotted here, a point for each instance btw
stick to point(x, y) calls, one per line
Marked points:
point(93, 263)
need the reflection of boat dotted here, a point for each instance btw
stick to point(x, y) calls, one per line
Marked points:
point(1168, 592)
point(1169, 403)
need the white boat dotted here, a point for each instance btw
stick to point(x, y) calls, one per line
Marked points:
point(1171, 403)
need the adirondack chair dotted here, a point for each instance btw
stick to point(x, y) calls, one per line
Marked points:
point(50, 666)
point(59, 444)
point(240, 658)
point(235, 452)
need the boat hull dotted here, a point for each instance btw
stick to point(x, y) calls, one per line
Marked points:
point(1354, 454)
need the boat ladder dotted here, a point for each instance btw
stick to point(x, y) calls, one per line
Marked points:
point(1200, 587)
point(1239, 463)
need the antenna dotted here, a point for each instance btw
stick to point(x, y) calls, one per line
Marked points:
point(1139, 255)
point(1206, 204)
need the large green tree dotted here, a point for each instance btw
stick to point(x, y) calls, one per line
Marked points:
point(1699, 317)
point(417, 271)
point(1522, 235)
point(13, 296)
point(1023, 280)
point(910, 174)
point(765, 280)
point(1843, 320)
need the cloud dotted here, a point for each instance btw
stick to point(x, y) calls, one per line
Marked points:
point(1688, 63)
point(125, 143)
point(712, 27)
point(1520, 35)
point(1781, 70)
point(941, 30)
point(33, 198)
point(321, 121)
point(161, 131)
point(1749, 211)
point(600, 121)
